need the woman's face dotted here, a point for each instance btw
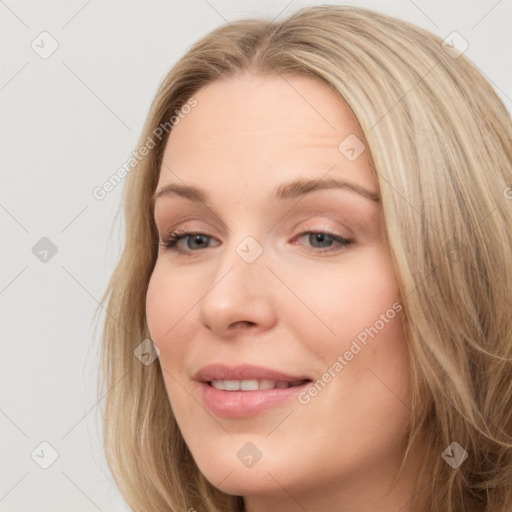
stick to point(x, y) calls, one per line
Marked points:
point(286, 278)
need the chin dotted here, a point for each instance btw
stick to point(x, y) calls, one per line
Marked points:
point(244, 482)
point(228, 474)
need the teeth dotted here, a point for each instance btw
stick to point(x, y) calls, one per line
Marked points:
point(249, 385)
point(252, 384)
point(231, 385)
point(267, 384)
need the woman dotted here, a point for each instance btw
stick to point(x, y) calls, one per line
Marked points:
point(312, 309)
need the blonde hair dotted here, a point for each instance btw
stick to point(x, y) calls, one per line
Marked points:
point(440, 143)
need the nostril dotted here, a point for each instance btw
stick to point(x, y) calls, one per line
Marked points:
point(242, 323)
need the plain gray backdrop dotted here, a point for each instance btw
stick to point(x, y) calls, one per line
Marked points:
point(76, 81)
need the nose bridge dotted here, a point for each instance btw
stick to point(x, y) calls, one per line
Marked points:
point(239, 291)
point(244, 245)
point(243, 260)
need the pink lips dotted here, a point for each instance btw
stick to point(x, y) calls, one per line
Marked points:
point(243, 371)
point(238, 404)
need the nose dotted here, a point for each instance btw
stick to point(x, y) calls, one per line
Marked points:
point(240, 296)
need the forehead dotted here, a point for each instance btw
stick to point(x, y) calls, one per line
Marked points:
point(258, 129)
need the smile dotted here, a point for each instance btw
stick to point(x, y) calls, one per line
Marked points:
point(253, 384)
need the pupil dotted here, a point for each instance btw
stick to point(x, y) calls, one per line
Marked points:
point(198, 238)
point(321, 237)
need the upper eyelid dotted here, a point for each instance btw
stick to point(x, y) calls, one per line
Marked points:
point(304, 217)
point(183, 233)
point(172, 240)
point(190, 231)
point(301, 211)
point(217, 221)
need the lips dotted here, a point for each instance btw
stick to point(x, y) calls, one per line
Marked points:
point(243, 391)
point(222, 372)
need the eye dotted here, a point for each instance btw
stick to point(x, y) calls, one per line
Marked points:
point(325, 241)
point(321, 241)
point(195, 242)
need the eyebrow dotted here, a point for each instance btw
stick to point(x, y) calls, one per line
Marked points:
point(290, 190)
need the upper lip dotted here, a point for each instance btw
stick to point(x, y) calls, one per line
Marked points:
point(243, 372)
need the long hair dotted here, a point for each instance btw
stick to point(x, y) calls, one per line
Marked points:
point(440, 144)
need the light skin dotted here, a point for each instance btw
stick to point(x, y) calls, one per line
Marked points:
point(294, 309)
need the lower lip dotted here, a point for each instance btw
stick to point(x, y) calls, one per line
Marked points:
point(242, 404)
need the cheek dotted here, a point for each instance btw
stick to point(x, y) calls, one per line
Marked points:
point(358, 318)
point(347, 300)
point(156, 309)
point(168, 299)
point(172, 300)
point(169, 308)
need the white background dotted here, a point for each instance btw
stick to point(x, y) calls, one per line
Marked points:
point(67, 123)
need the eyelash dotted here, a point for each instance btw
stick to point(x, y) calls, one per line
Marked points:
point(174, 237)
